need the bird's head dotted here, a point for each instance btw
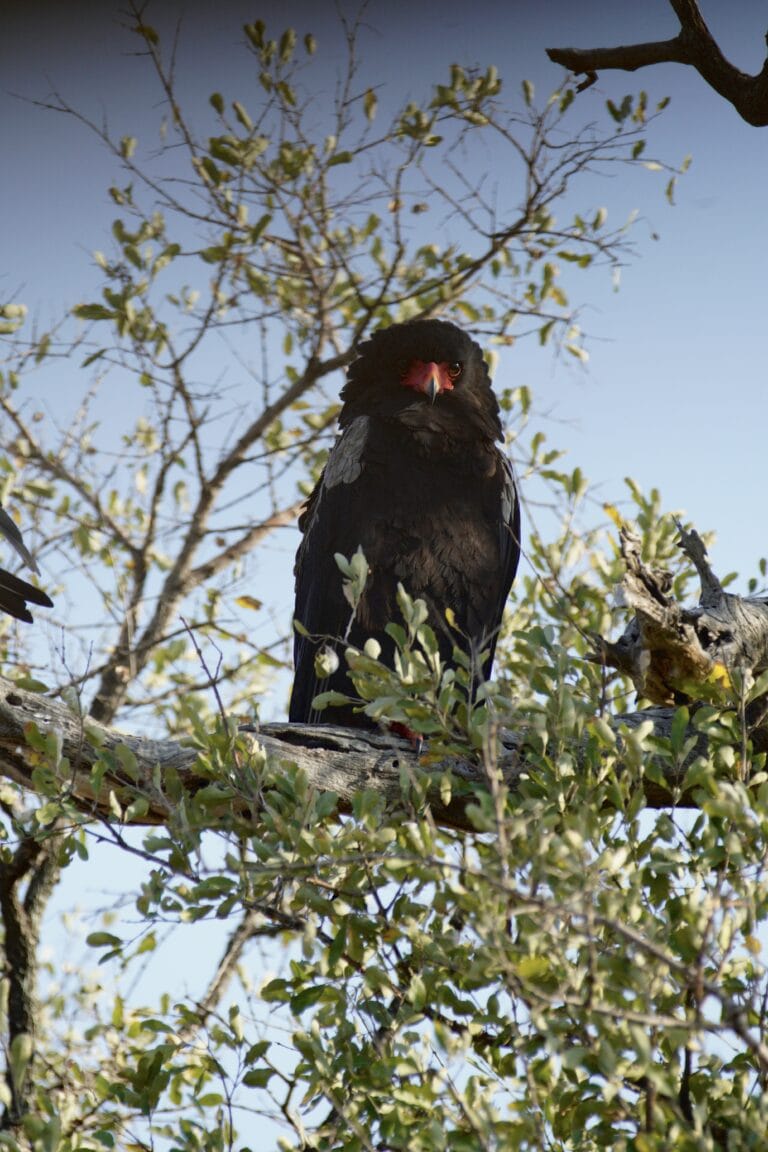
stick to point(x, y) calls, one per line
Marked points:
point(422, 371)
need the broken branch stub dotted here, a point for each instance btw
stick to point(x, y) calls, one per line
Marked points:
point(681, 655)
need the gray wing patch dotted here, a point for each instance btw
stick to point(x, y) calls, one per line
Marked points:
point(345, 462)
point(508, 491)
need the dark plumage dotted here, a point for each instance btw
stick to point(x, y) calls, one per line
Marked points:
point(14, 592)
point(417, 480)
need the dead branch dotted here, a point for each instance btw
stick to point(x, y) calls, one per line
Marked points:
point(694, 45)
point(681, 655)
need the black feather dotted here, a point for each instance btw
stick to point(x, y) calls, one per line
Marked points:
point(15, 592)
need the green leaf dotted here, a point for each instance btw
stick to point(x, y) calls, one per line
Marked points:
point(338, 945)
point(330, 699)
point(341, 158)
point(242, 115)
point(258, 1077)
point(93, 312)
point(287, 45)
point(103, 940)
point(679, 729)
point(20, 1057)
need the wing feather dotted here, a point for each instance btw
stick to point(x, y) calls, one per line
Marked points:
point(15, 592)
point(329, 523)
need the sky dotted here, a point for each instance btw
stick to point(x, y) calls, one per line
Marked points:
point(674, 392)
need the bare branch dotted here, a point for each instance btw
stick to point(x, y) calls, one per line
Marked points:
point(626, 57)
point(679, 655)
point(695, 46)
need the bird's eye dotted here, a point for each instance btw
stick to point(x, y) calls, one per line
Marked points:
point(455, 370)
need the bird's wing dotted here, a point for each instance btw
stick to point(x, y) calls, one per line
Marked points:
point(331, 524)
point(12, 534)
point(509, 546)
point(14, 594)
point(510, 525)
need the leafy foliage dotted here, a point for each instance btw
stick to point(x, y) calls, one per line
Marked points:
point(573, 973)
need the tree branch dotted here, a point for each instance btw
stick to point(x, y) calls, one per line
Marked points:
point(626, 57)
point(340, 760)
point(685, 655)
point(674, 654)
point(35, 863)
point(694, 45)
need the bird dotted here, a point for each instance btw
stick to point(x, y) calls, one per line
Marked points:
point(15, 592)
point(415, 479)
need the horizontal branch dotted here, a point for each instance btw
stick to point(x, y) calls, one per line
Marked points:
point(694, 45)
point(340, 760)
point(675, 654)
point(626, 57)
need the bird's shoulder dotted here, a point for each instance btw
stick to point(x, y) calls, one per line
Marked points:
point(11, 533)
point(509, 493)
point(346, 458)
point(343, 466)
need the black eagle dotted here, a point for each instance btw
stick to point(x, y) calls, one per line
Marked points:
point(417, 480)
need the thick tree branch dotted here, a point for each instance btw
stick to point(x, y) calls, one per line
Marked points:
point(626, 57)
point(34, 864)
point(694, 45)
point(339, 760)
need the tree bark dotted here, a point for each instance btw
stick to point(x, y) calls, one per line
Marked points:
point(710, 653)
point(694, 45)
point(339, 760)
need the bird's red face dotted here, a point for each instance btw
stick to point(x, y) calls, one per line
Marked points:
point(431, 378)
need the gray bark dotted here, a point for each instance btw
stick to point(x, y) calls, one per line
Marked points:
point(711, 652)
point(339, 760)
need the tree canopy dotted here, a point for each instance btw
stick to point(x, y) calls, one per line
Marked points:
point(495, 944)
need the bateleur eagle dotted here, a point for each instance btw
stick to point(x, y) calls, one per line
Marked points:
point(415, 479)
point(14, 592)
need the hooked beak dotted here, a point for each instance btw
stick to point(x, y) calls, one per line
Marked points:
point(428, 377)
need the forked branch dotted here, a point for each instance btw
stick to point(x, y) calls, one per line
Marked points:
point(694, 45)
